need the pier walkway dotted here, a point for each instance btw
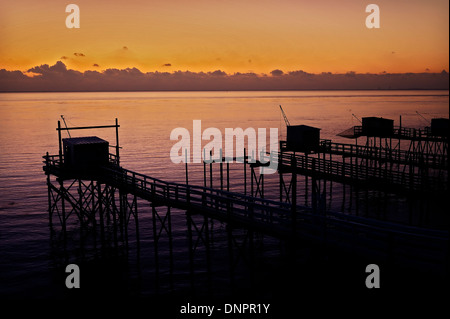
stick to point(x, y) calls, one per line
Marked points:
point(387, 155)
point(363, 176)
point(403, 133)
point(362, 236)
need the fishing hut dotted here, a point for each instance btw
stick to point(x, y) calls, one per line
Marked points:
point(85, 153)
point(302, 138)
point(377, 127)
point(440, 127)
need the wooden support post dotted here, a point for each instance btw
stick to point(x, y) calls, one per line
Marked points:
point(136, 220)
point(221, 175)
point(109, 204)
point(228, 176)
point(331, 181)
point(49, 192)
point(280, 175)
point(280, 172)
point(314, 186)
point(294, 195)
point(92, 191)
point(63, 208)
point(204, 173)
point(60, 145)
point(100, 211)
point(261, 178)
point(186, 167)
point(252, 173)
point(117, 142)
point(343, 184)
point(122, 210)
point(306, 179)
point(210, 170)
point(125, 219)
point(114, 211)
point(245, 172)
point(80, 203)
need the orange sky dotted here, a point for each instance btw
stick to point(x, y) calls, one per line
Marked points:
point(234, 35)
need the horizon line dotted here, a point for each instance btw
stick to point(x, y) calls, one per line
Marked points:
point(224, 90)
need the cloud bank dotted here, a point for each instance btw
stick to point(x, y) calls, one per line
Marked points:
point(58, 77)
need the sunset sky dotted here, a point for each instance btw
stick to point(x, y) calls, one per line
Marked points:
point(255, 36)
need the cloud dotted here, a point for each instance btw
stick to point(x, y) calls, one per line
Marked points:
point(218, 73)
point(64, 58)
point(239, 74)
point(277, 72)
point(167, 64)
point(43, 69)
point(96, 65)
point(58, 77)
point(11, 75)
point(123, 72)
point(125, 48)
point(79, 54)
point(299, 73)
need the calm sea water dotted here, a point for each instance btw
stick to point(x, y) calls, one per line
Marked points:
point(29, 264)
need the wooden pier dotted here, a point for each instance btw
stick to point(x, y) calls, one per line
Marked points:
point(387, 154)
point(360, 175)
point(109, 191)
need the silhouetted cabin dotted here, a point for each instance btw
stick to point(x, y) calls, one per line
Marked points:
point(440, 127)
point(302, 138)
point(377, 126)
point(85, 153)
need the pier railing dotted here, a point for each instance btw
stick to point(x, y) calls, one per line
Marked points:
point(56, 163)
point(363, 175)
point(383, 154)
point(272, 216)
point(406, 133)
